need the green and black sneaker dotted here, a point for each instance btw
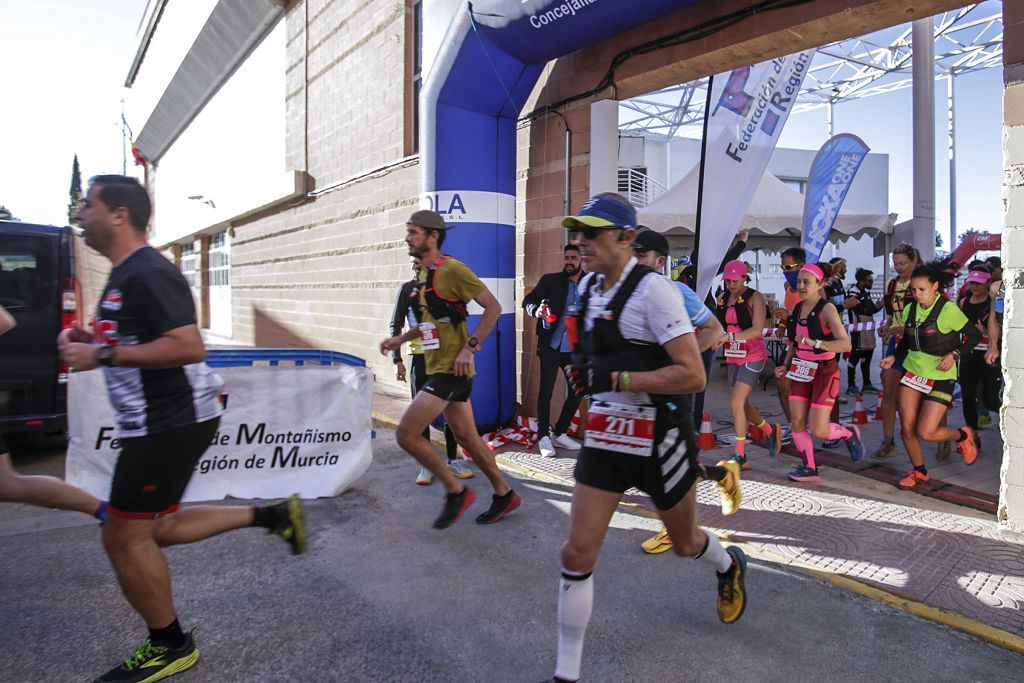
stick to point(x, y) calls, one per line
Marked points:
point(152, 662)
point(291, 525)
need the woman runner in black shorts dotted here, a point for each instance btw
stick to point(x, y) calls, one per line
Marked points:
point(928, 353)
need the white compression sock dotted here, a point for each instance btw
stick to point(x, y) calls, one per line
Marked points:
point(714, 554)
point(575, 602)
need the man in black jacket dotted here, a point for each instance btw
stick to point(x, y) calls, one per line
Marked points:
point(548, 302)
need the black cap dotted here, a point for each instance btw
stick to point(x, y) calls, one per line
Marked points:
point(425, 218)
point(649, 240)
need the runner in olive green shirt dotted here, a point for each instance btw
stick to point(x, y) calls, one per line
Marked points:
point(447, 286)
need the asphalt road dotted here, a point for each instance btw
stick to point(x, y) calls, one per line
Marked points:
point(380, 596)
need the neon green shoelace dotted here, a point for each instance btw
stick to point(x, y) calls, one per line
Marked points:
point(143, 653)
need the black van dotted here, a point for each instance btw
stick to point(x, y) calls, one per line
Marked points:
point(38, 287)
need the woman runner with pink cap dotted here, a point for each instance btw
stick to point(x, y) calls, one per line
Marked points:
point(742, 311)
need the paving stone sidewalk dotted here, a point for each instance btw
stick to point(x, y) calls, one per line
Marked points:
point(929, 551)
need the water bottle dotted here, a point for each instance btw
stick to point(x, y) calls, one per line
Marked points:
point(546, 316)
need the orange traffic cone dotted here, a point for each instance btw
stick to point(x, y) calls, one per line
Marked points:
point(878, 408)
point(860, 415)
point(706, 439)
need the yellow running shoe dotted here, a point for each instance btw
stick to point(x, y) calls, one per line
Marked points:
point(732, 595)
point(658, 543)
point(730, 487)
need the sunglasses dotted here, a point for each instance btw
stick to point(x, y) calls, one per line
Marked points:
point(589, 231)
point(793, 266)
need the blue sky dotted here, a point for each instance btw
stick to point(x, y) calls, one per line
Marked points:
point(64, 65)
point(65, 62)
point(884, 123)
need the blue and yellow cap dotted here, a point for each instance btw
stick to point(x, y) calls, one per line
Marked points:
point(603, 212)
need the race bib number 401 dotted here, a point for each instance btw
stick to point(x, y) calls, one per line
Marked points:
point(621, 428)
point(918, 383)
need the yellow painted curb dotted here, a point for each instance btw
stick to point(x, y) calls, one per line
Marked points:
point(946, 617)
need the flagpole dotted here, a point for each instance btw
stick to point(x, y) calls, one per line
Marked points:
point(124, 155)
point(694, 259)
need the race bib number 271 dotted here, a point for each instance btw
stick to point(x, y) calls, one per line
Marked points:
point(621, 428)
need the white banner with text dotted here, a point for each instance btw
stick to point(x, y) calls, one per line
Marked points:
point(285, 430)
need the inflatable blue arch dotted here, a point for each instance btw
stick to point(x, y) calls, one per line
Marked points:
point(489, 61)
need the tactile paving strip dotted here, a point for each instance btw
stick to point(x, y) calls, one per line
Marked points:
point(939, 558)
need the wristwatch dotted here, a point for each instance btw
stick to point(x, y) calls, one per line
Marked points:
point(105, 355)
point(473, 343)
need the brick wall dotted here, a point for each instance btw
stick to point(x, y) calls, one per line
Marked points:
point(1011, 498)
point(325, 273)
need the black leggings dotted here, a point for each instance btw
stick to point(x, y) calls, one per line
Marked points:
point(862, 356)
point(974, 371)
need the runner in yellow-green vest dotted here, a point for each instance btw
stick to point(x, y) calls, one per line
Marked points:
point(936, 333)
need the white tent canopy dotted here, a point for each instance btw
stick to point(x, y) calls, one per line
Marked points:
point(775, 209)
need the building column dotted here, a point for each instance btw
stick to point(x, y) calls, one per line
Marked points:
point(924, 137)
point(1011, 424)
point(604, 146)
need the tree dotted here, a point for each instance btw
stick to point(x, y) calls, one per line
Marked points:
point(75, 194)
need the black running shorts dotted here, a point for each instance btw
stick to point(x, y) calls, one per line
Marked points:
point(153, 470)
point(449, 387)
point(666, 475)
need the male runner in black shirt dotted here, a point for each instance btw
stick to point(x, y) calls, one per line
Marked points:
point(166, 401)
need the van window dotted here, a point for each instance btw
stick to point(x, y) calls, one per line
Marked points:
point(26, 273)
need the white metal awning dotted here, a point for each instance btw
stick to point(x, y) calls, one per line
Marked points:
point(235, 28)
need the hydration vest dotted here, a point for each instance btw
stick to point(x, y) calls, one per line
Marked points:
point(976, 313)
point(605, 340)
point(890, 293)
point(925, 336)
point(744, 313)
point(441, 308)
point(813, 323)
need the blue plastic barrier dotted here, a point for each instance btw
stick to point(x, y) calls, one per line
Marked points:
point(243, 357)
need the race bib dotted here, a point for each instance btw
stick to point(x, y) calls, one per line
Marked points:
point(918, 383)
point(982, 345)
point(431, 342)
point(620, 428)
point(801, 370)
point(736, 349)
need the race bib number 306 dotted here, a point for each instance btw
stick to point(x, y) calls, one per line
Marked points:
point(621, 428)
point(801, 370)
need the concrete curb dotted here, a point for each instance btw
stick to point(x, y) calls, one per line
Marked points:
point(960, 622)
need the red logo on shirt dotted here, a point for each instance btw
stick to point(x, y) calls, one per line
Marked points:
point(105, 332)
point(112, 301)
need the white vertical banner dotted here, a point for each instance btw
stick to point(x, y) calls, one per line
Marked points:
point(749, 108)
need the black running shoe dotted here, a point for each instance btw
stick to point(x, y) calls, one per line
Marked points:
point(454, 505)
point(500, 506)
point(291, 523)
point(152, 662)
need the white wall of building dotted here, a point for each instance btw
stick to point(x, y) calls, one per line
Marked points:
point(232, 156)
